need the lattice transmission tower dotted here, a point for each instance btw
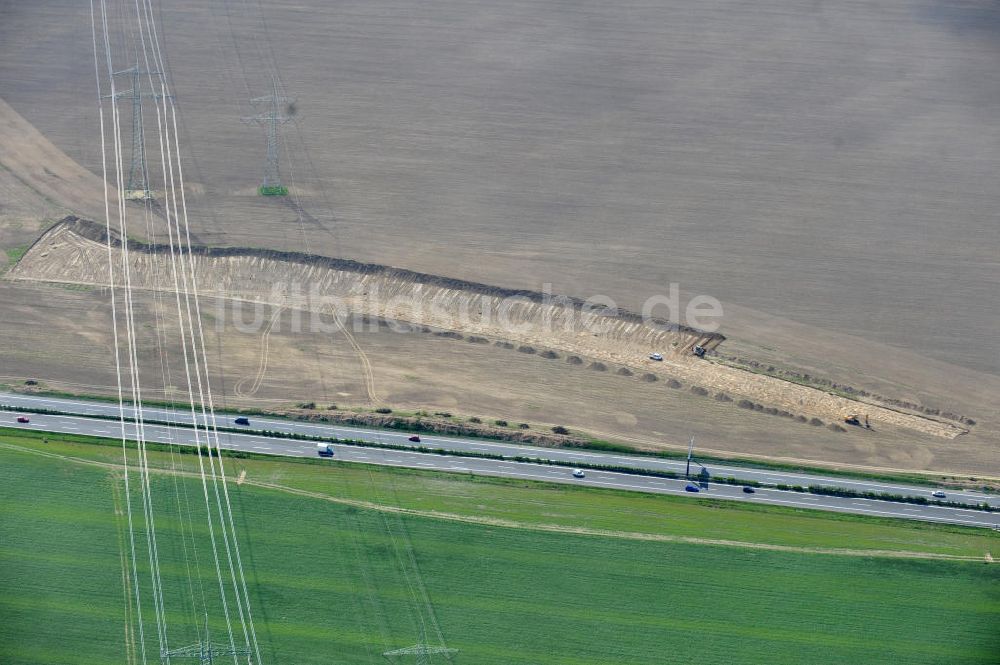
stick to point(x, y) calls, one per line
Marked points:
point(270, 116)
point(204, 651)
point(421, 652)
point(137, 184)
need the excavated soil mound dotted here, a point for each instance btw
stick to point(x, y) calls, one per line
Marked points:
point(75, 251)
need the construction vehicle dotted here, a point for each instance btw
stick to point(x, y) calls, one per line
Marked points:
point(699, 351)
point(855, 419)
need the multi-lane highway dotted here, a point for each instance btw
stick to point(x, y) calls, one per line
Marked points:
point(251, 442)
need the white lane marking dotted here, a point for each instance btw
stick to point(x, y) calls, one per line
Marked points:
point(638, 461)
point(681, 492)
point(663, 489)
point(291, 424)
point(651, 484)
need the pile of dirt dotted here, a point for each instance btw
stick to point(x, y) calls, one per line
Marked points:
point(75, 251)
point(92, 231)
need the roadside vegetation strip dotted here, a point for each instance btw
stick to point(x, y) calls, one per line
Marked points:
point(825, 490)
point(497, 501)
point(473, 429)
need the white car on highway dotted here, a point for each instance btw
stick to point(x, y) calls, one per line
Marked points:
point(578, 473)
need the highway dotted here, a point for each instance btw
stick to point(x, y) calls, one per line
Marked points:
point(255, 443)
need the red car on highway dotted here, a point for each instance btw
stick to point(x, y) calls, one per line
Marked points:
point(23, 419)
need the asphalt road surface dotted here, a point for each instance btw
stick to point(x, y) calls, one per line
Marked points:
point(255, 443)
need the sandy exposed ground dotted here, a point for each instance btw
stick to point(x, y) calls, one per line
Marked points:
point(64, 255)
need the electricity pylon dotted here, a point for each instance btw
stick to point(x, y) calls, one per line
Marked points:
point(421, 651)
point(204, 651)
point(270, 117)
point(137, 185)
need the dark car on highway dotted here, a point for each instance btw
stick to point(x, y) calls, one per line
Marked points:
point(691, 487)
point(415, 439)
point(23, 419)
point(748, 490)
point(242, 421)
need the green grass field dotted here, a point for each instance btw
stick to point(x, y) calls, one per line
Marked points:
point(338, 583)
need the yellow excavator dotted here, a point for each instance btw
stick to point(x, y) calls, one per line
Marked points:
point(855, 419)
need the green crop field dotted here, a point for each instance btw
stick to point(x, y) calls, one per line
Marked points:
point(333, 581)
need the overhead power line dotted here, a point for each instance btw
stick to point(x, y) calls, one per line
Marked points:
point(134, 182)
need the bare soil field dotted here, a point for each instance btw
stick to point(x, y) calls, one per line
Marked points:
point(827, 163)
point(825, 170)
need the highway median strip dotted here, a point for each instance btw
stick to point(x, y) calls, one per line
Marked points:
point(821, 490)
point(418, 422)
